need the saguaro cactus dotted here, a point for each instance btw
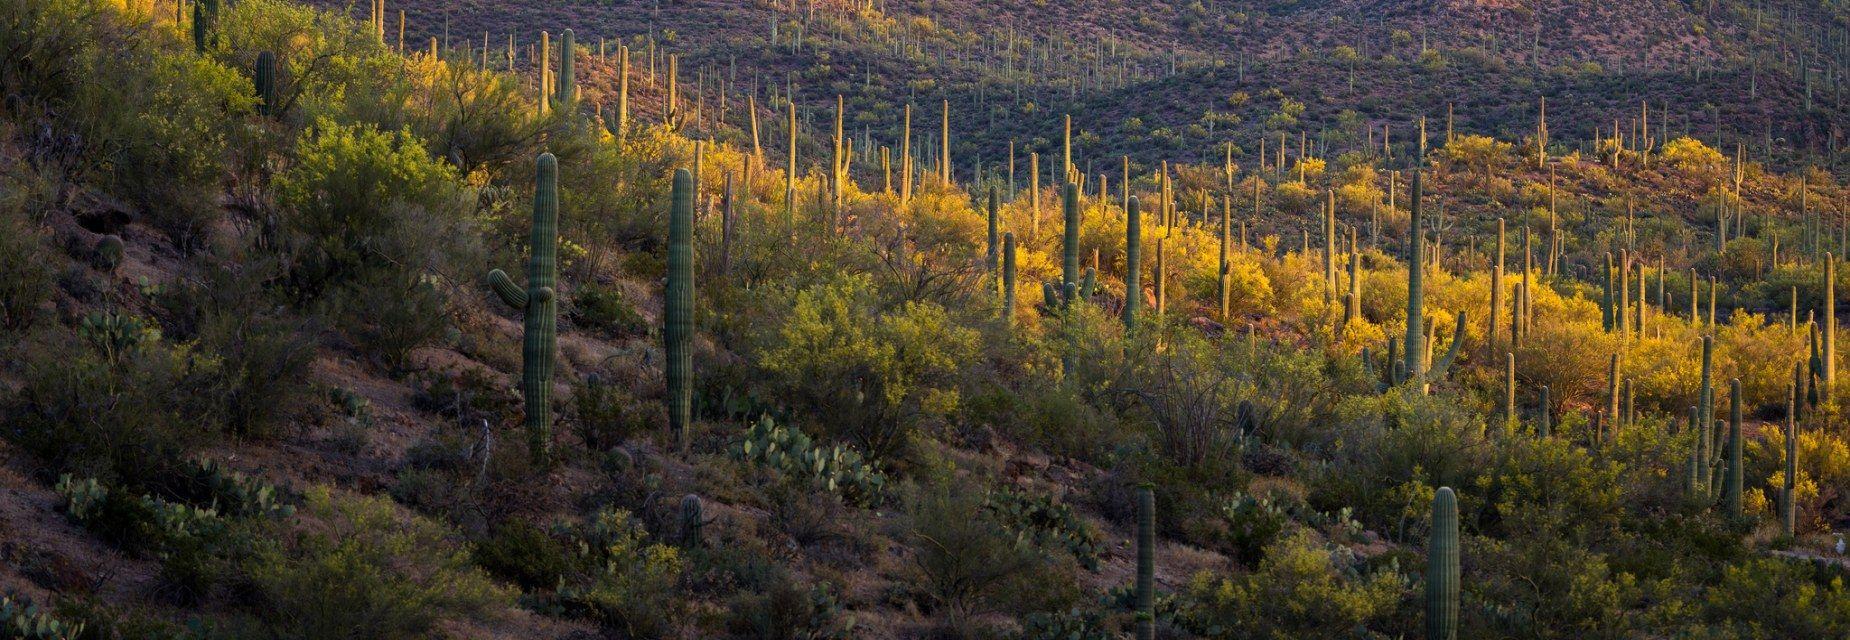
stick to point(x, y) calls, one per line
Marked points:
point(1542, 425)
point(539, 345)
point(1069, 271)
point(1146, 563)
point(693, 520)
point(991, 254)
point(1828, 374)
point(1705, 411)
point(205, 21)
point(678, 296)
point(567, 91)
point(1789, 510)
point(263, 76)
point(1416, 307)
point(1731, 484)
point(1008, 277)
point(1442, 570)
point(1133, 259)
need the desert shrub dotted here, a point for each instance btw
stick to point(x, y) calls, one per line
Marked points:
point(606, 309)
point(964, 562)
point(1550, 588)
point(868, 373)
point(621, 580)
point(523, 553)
point(790, 611)
point(606, 414)
point(372, 217)
point(25, 261)
point(125, 402)
point(154, 123)
point(1774, 598)
point(363, 568)
point(189, 541)
point(1303, 589)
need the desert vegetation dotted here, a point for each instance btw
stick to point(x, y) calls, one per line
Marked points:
point(867, 320)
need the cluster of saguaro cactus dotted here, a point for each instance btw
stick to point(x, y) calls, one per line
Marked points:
point(678, 311)
point(1442, 568)
point(541, 334)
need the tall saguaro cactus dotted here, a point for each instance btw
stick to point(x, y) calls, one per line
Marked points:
point(1415, 345)
point(1008, 277)
point(1442, 570)
point(1828, 375)
point(678, 302)
point(567, 91)
point(1133, 259)
point(1069, 270)
point(538, 347)
point(1146, 563)
point(1789, 510)
point(1731, 484)
point(991, 254)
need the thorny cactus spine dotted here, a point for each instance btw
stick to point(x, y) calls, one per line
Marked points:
point(538, 346)
point(678, 321)
point(1442, 570)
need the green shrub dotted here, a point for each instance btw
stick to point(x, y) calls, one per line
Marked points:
point(964, 562)
point(25, 261)
point(1303, 589)
point(364, 569)
point(85, 415)
point(869, 374)
point(606, 309)
point(788, 611)
point(621, 580)
point(524, 554)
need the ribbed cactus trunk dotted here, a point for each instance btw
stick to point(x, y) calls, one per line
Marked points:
point(205, 22)
point(678, 300)
point(1069, 269)
point(264, 79)
point(567, 90)
point(1789, 510)
point(1442, 569)
point(541, 334)
point(1133, 263)
point(1828, 376)
point(1542, 417)
point(1705, 411)
point(1495, 287)
point(1509, 392)
point(991, 209)
point(1146, 563)
point(1731, 484)
point(1415, 346)
point(1008, 277)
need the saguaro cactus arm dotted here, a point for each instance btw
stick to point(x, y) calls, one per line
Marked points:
point(504, 287)
point(1451, 353)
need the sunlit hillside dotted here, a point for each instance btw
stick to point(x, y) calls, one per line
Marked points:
point(922, 319)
